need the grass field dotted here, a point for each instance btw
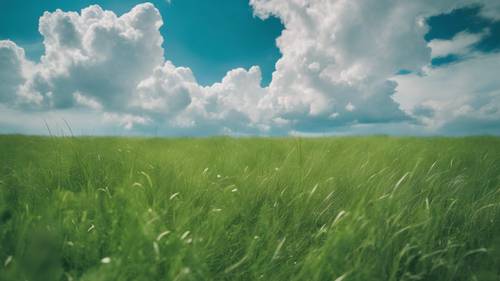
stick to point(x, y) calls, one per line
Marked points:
point(355, 208)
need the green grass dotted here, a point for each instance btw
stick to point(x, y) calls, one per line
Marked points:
point(357, 208)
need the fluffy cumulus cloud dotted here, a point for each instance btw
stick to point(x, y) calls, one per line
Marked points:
point(12, 70)
point(336, 60)
point(96, 56)
point(167, 91)
point(338, 70)
point(236, 105)
point(338, 57)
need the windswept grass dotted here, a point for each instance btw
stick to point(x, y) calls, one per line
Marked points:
point(372, 208)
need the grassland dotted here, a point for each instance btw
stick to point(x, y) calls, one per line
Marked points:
point(367, 208)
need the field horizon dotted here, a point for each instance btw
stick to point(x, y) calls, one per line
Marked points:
point(249, 208)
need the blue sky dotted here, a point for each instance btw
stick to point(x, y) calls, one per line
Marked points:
point(466, 19)
point(258, 67)
point(210, 39)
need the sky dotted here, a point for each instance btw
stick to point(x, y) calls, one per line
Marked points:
point(258, 67)
point(197, 33)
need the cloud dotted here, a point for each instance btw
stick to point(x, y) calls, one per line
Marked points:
point(12, 72)
point(337, 73)
point(167, 91)
point(461, 98)
point(235, 105)
point(491, 9)
point(337, 57)
point(96, 56)
point(460, 45)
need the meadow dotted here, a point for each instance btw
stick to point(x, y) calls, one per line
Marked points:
point(339, 209)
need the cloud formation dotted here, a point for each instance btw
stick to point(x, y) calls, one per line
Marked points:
point(461, 98)
point(12, 71)
point(459, 45)
point(96, 56)
point(338, 69)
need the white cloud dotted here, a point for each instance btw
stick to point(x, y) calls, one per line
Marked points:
point(167, 91)
point(235, 105)
point(462, 98)
point(12, 71)
point(97, 60)
point(98, 55)
point(336, 72)
point(86, 101)
point(128, 121)
point(491, 9)
point(337, 54)
point(458, 45)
